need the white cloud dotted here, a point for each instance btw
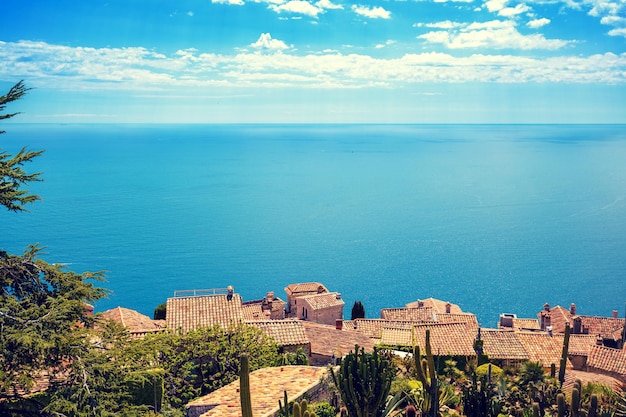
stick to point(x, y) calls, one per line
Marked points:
point(618, 32)
point(265, 41)
point(387, 43)
point(328, 5)
point(495, 5)
point(446, 24)
point(298, 6)
point(373, 12)
point(230, 2)
point(495, 34)
point(139, 69)
point(537, 23)
point(513, 11)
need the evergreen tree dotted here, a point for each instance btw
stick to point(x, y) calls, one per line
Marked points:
point(358, 311)
point(12, 176)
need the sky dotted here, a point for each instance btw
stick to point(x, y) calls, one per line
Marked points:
point(315, 61)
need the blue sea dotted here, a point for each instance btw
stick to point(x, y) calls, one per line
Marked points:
point(494, 218)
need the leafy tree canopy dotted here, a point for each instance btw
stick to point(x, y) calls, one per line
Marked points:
point(12, 175)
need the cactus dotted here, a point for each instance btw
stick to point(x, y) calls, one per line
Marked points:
point(364, 382)
point(535, 409)
point(552, 370)
point(575, 406)
point(560, 403)
point(343, 412)
point(563, 363)
point(298, 409)
point(593, 406)
point(427, 374)
point(244, 387)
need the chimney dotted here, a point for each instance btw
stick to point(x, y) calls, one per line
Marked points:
point(338, 324)
point(338, 296)
point(420, 304)
point(572, 309)
point(448, 308)
point(546, 307)
point(614, 314)
point(577, 326)
point(599, 341)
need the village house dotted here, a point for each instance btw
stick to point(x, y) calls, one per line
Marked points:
point(609, 329)
point(268, 308)
point(324, 308)
point(295, 291)
point(289, 334)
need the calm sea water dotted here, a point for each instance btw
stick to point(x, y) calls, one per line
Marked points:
point(494, 218)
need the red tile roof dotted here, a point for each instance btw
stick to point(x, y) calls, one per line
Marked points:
point(408, 314)
point(267, 386)
point(324, 300)
point(447, 339)
point(188, 313)
point(608, 360)
point(467, 318)
point(373, 327)
point(136, 323)
point(526, 324)
point(579, 344)
point(542, 347)
point(305, 288)
point(328, 341)
point(503, 344)
point(284, 332)
point(607, 327)
point(438, 306)
point(262, 310)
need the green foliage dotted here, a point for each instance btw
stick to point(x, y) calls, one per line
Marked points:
point(364, 382)
point(531, 372)
point(12, 176)
point(480, 398)
point(483, 371)
point(298, 357)
point(160, 311)
point(42, 309)
point(146, 387)
point(358, 311)
point(323, 409)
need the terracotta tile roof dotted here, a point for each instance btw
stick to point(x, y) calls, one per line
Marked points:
point(542, 347)
point(253, 311)
point(305, 288)
point(579, 344)
point(526, 324)
point(446, 338)
point(136, 323)
point(327, 340)
point(608, 359)
point(284, 332)
point(267, 387)
point(324, 300)
point(373, 327)
point(188, 313)
point(408, 314)
point(396, 337)
point(607, 327)
point(558, 316)
point(262, 310)
point(502, 344)
point(467, 318)
point(438, 306)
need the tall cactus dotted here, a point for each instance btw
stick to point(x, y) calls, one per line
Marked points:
point(535, 408)
point(427, 374)
point(298, 409)
point(593, 406)
point(575, 406)
point(563, 363)
point(364, 382)
point(560, 403)
point(244, 387)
